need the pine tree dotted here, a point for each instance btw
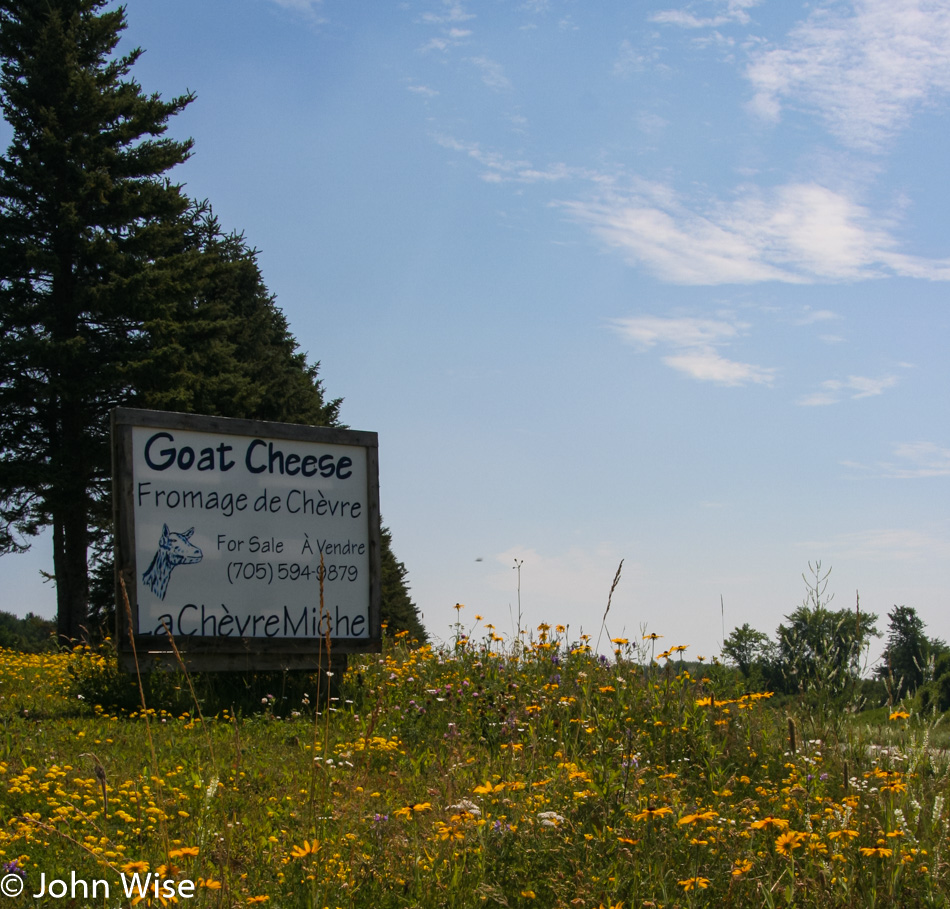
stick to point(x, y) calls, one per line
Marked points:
point(398, 611)
point(227, 349)
point(91, 240)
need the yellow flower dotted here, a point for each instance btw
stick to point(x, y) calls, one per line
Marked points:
point(190, 851)
point(694, 818)
point(899, 715)
point(651, 637)
point(692, 882)
point(135, 867)
point(770, 821)
point(788, 841)
point(648, 814)
point(487, 789)
point(895, 786)
point(878, 851)
point(258, 899)
point(741, 867)
point(528, 894)
point(306, 849)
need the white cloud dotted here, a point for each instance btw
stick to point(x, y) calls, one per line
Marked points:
point(449, 19)
point(810, 316)
point(651, 124)
point(854, 387)
point(711, 367)
point(920, 459)
point(676, 245)
point(796, 233)
point(865, 68)
point(452, 11)
point(911, 461)
point(647, 331)
point(732, 11)
point(819, 399)
point(423, 90)
point(694, 343)
point(308, 8)
point(629, 60)
point(493, 74)
point(499, 169)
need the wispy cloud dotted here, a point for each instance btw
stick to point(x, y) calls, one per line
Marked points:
point(423, 90)
point(449, 19)
point(811, 316)
point(918, 459)
point(731, 11)
point(309, 8)
point(493, 74)
point(910, 461)
point(922, 459)
point(695, 347)
point(797, 233)
point(629, 60)
point(450, 13)
point(500, 169)
point(864, 68)
point(854, 387)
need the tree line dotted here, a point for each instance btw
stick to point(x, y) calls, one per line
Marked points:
point(822, 652)
point(116, 288)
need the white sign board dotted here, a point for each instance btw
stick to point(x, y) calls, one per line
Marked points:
point(234, 533)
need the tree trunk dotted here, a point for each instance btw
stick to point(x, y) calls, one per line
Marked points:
point(70, 550)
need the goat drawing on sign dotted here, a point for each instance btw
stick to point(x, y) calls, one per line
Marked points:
point(173, 549)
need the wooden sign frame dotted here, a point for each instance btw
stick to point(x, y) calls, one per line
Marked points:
point(243, 544)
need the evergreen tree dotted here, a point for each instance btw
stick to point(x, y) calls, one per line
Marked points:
point(398, 611)
point(91, 240)
point(226, 349)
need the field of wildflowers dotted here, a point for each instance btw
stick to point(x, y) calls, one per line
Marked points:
point(523, 771)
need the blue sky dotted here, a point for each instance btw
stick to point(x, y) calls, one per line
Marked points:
point(658, 281)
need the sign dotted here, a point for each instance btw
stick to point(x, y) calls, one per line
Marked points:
point(250, 544)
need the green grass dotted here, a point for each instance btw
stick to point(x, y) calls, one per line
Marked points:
point(487, 773)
